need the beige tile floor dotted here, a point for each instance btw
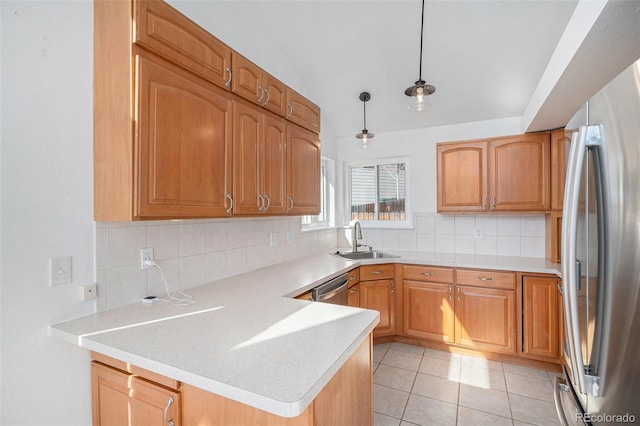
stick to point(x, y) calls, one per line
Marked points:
point(417, 386)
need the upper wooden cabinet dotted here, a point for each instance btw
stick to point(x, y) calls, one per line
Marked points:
point(560, 149)
point(259, 161)
point(302, 111)
point(182, 143)
point(163, 30)
point(164, 124)
point(256, 85)
point(503, 174)
point(463, 184)
point(303, 171)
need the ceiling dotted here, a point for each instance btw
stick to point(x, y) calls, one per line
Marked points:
point(485, 58)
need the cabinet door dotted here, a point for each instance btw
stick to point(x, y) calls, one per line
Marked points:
point(540, 317)
point(247, 135)
point(486, 318)
point(153, 405)
point(302, 111)
point(275, 94)
point(246, 79)
point(120, 398)
point(520, 173)
point(379, 295)
point(303, 171)
point(354, 296)
point(274, 164)
point(165, 31)
point(428, 311)
point(462, 176)
point(110, 396)
point(183, 144)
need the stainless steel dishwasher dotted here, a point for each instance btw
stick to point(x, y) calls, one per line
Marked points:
point(334, 291)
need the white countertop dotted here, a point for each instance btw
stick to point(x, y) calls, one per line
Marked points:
point(243, 340)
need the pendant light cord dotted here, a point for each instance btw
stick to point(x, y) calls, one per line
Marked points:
point(364, 105)
point(421, 38)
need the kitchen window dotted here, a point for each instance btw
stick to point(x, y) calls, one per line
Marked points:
point(322, 220)
point(377, 192)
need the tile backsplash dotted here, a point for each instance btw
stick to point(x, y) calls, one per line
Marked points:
point(513, 235)
point(193, 252)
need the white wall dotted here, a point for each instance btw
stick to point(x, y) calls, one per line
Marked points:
point(516, 235)
point(46, 192)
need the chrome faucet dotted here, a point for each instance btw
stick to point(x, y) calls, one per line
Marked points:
point(356, 234)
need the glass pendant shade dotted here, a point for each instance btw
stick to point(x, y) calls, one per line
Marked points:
point(420, 89)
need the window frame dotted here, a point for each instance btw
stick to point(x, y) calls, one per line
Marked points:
point(407, 223)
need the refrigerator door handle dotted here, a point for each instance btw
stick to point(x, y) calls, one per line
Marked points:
point(587, 136)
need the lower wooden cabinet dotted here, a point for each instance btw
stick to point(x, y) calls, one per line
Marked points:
point(121, 398)
point(541, 316)
point(377, 291)
point(127, 398)
point(428, 311)
point(486, 318)
point(465, 307)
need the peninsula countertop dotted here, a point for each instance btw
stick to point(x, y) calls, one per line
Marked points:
point(247, 339)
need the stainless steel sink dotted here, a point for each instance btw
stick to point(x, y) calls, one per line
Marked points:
point(375, 254)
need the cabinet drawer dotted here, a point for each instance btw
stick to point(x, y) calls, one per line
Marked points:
point(376, 272)
point(481, 278)
point(354, 277)
point(427, 273)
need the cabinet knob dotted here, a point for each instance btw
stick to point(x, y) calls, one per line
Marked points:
point(166, 410)
point(261, 94)
point(230, 209)
point(228, 82)
point(268, 97)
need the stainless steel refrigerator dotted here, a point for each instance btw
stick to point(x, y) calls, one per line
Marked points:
point(601, 259)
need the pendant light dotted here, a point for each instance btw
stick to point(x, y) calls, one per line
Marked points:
point(365, 135)
point(420, 89)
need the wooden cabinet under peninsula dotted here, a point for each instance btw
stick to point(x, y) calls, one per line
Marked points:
point(125, 395)
point(541, 317)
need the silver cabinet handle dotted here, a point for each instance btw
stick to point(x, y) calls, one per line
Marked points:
point(261, 93)
point(459, 293)
point(427, 274)
point(290, 205)
point(268, 201)
point(261, 201)
point(230, 203)
point(290, 109)
point(484, 203)
point(376, 272)
point(484, 278)
point(493, 203)
point(268, 97)
point(228, 83)
point(166, 409)
point(450, 292)
point(352, 278)
point(353, 290)
point(393, 286)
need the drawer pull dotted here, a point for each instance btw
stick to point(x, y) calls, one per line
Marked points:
point(377, 272)
point(166, 410)
point(485, 278)
point(353, 291)
point(450, 292)
point(459, 293)
point(352, 277)
point(427, 274)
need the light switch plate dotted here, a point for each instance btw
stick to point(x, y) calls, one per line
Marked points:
point(59, 270)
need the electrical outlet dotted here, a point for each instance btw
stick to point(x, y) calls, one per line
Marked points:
point(146, 256)
point(89, 292)
point(59, 270)
point(478, 232)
